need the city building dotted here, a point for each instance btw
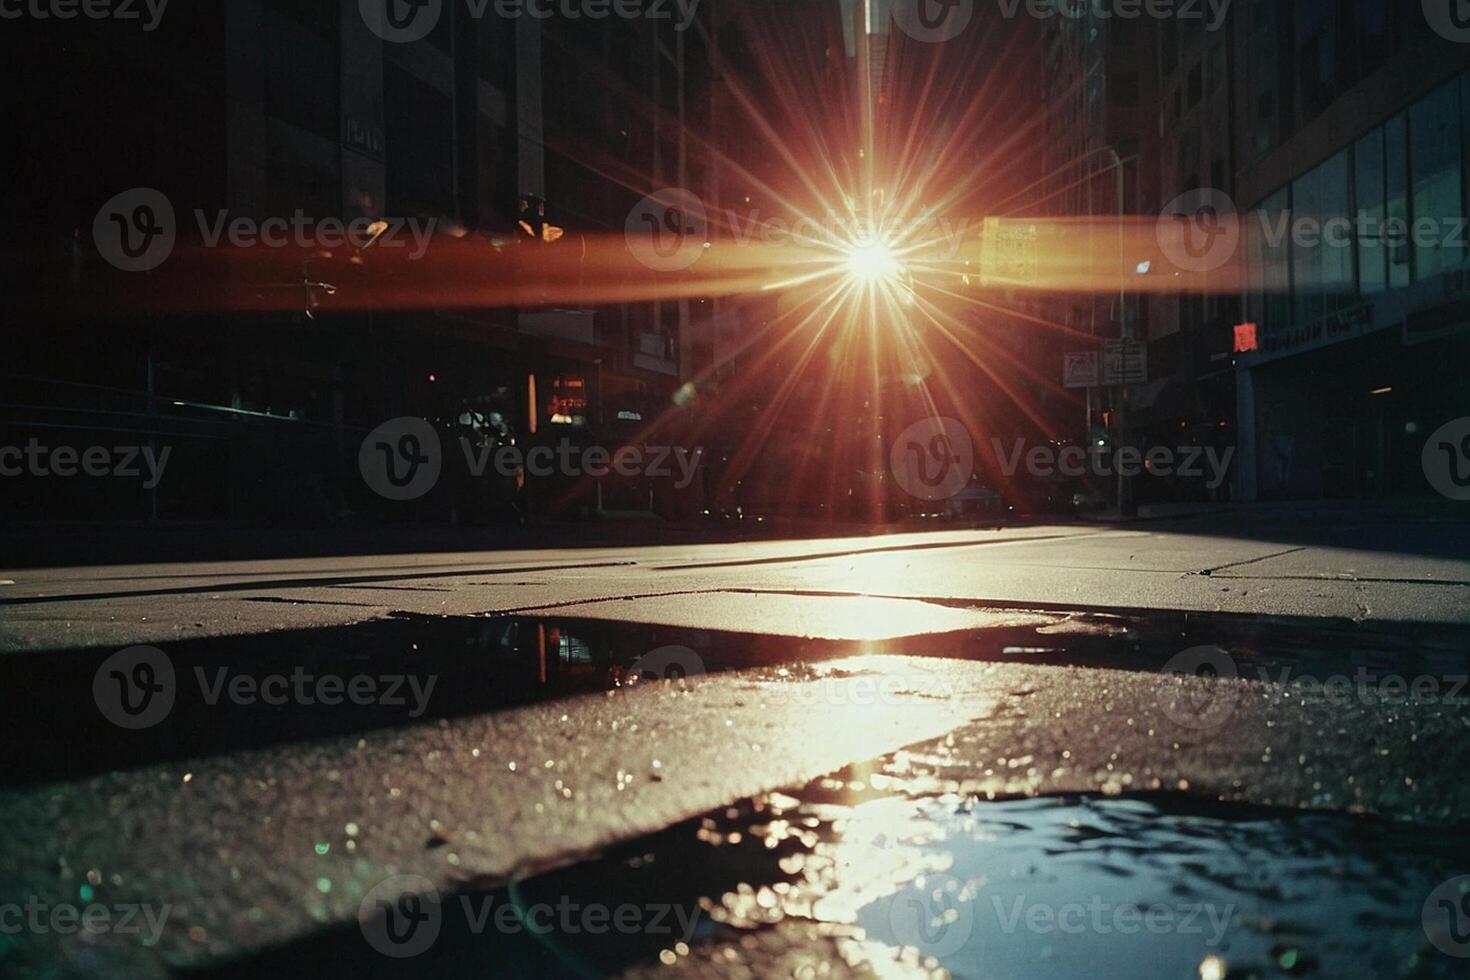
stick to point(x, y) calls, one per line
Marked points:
point(1351, 180)
point(1101, 89)
point(513, 132)
point(1189, 399)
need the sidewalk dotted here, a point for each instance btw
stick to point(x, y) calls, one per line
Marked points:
point(62, 544)
point(1418, 509)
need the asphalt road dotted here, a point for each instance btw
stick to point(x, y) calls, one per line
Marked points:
point(1024, 660)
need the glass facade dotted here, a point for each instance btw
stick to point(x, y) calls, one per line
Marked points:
point(1434, 133)
point(1307, 53)
point(1383, 213)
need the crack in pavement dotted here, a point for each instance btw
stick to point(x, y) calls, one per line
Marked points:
point(1354, 579)
point(302, 583)
point(1248, 561)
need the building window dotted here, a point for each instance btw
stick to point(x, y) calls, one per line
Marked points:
point(1375, 38)
point(1322, 265)
point(302, 68)
point(420, 146)
point(1272, 256)
point(1316, 56)
point(1368, 189)
point(1267, 74)
point(1322, 271)
point(1434, 131)
point(1396, 170)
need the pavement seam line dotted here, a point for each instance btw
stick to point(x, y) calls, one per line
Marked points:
point(1249, 561)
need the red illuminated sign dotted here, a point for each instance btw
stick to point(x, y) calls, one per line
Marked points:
point(1246, 339)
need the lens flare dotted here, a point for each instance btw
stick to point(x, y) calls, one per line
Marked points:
point(872, 263)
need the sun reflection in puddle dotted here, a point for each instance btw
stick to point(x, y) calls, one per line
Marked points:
point(885, 882)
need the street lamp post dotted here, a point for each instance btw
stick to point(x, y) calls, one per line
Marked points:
point(1126, 502)
point(1127, 505)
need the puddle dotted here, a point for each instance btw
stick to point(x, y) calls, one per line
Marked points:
point(1072, 887)
point(56, 729)
point(854, 875)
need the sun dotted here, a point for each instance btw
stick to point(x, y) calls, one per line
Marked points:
point(873, 262)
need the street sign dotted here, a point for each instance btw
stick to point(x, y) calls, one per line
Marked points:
point(1081, 369)
point(1125, 362)
point(1009, 256)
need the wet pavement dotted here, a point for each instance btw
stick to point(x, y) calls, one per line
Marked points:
point(854, 875)
point(1059, 794)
